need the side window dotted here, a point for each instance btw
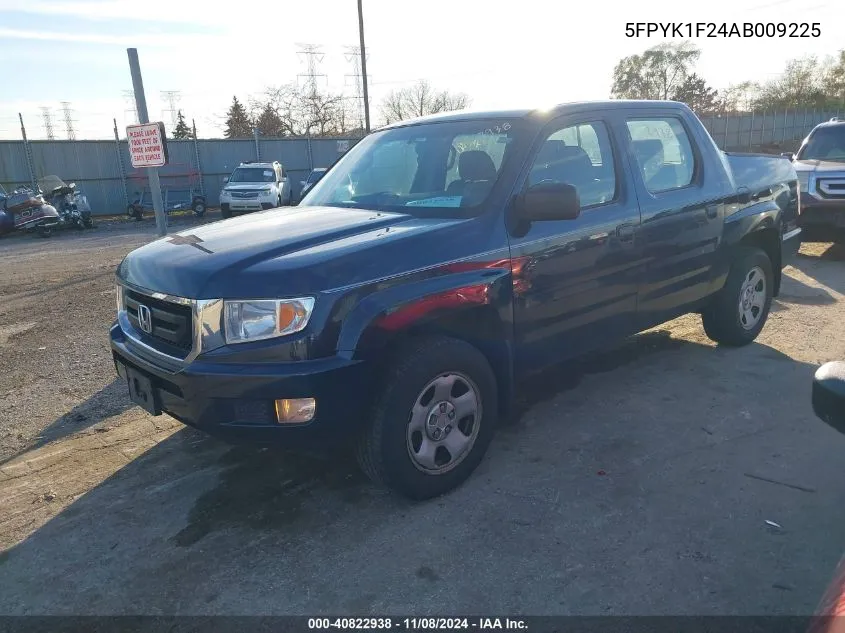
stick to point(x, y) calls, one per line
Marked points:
point(663, 152)
point(579, 155)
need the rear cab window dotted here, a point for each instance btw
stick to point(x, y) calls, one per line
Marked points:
point(663, 153)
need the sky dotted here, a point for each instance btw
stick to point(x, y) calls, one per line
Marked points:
point(526, 53)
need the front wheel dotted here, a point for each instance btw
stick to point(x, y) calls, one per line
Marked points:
point(198, 207)
point(740, 309)
point(434, 419)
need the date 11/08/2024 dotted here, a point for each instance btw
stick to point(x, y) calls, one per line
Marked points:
point(724, 29)
point(419, 624)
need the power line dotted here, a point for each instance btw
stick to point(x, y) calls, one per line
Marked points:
point(48, 122)
point(66, 109)
point(172, 97)
point(313, 56)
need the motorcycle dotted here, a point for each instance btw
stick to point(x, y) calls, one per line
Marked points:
point(72, 204)
point(26, 210)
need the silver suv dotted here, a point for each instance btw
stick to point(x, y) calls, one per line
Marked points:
point(254, 186)
point(820, 164)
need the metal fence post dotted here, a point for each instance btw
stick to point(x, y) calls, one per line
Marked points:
point(197, 156)
point(751, 130)
point(28, 151)
point(310, 154)
point(257, 150)
point(120, 164)
point(725, 142)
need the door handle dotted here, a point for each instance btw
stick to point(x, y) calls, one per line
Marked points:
point(625, 232)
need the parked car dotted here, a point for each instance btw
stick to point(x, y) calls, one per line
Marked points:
point(255, 186)
point(313, 179)
point(820, 163)
point(452, 256)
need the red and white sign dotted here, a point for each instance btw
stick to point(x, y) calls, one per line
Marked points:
point(147, 144)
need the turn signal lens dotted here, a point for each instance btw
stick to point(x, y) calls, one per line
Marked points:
point(291, 315)
point(295, 410)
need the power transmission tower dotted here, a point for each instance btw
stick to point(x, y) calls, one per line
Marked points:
point(66, 109)
point(131, 109)
point(313, 56)
point(353, 55)
point(48, 123)
point(171, 97)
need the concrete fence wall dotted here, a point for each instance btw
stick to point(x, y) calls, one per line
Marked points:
point(103, 170)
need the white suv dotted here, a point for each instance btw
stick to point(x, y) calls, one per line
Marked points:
point(254, 186)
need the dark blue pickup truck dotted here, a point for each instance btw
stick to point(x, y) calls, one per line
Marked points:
point(440, 261)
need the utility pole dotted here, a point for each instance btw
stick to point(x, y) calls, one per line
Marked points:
point(48, 123)
point(143, 117)
point(71, 133)
point(364, 68)
point(172, 97)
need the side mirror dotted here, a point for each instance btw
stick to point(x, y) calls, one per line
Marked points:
point(788, 155)
point(225, 180)
point(829, 394)
point(550, 201)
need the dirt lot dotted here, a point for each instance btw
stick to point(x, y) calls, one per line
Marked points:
point(636, 481)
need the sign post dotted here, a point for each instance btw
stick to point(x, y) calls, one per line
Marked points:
point(148, 157)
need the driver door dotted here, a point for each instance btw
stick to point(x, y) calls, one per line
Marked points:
point(580, 276)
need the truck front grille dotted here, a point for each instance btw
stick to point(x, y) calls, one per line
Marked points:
point(831, 187)
point(170, 326)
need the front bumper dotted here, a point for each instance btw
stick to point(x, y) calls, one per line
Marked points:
point(257, 204)
point(828, 213)
point(234, 401)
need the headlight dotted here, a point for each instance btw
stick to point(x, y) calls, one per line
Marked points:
point(803, 180)
point(224, 193)
point(267, 189)
point(265, 318)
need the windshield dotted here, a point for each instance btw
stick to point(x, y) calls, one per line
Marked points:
point(252, 174)
point(314, 176)
point(826, 143)
point(419, 168)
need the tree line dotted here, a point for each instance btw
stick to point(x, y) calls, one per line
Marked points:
point(293, 110)
point(667, 71)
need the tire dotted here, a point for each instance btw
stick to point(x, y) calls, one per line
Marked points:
point(420, 369)
point(279, 201)
point(135, 212)
point(225, 211)
point(731, 318)
point(198, 207)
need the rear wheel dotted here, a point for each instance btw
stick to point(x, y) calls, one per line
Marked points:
point(433, 421)
point(740, 309)
point(198, 207)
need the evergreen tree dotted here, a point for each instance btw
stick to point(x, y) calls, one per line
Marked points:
point(238, 124)
point(269, 123)
point(182, 131)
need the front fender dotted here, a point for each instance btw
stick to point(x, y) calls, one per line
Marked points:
point(383, 314)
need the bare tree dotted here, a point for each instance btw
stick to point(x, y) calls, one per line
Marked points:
point(419, 100)
point(656, 74)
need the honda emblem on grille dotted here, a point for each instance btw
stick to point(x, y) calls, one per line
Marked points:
point(145, 318)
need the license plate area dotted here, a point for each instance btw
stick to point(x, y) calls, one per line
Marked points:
point(141, 390)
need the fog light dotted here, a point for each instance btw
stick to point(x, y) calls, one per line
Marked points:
point(296, 410)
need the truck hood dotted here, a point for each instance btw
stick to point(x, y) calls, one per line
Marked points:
point(290, 252)
point(819, 165)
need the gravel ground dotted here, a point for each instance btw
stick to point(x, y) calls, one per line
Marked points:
point(635, 481)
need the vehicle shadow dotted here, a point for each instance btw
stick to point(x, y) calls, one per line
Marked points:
point(108, 402)
point(177, 528)
point(826, 267)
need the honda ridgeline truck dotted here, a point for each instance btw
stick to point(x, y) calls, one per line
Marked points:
point(440, 261)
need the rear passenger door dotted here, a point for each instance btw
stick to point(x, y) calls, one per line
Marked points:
point(682, 214)
point(576, 279)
